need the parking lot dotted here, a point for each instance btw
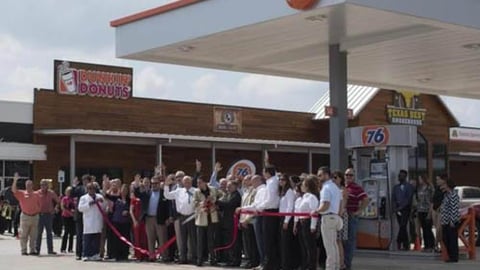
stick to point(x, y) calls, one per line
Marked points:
point(11, 258)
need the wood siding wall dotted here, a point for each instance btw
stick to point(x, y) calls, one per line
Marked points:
point(435, 128)
point(54, 111)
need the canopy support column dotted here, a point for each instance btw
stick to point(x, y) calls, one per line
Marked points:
point(72, 160)
point(338, 101)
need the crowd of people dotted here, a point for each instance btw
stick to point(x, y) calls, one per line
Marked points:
point(269, 221)
point(419, 206)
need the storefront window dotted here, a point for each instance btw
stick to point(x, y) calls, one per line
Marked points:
point(97, 172)
point(9, 168)
point(418, 158)
point(439, 158)
point(22, 167)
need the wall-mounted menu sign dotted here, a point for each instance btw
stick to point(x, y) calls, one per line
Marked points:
point(73, 78)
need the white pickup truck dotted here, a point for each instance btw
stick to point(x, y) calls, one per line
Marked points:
point(470, 197)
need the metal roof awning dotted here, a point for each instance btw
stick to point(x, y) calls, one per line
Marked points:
point(357, 98)
point(126, 137)
point(430, 46)
point(22, 151)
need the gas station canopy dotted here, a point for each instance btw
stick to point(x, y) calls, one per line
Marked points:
point(430, 46)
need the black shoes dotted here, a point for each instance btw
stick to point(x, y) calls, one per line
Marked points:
point(233, 264)
point(24, 253)
point(34, 253)
point(182, 262)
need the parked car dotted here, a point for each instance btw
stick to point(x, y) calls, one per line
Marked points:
point(470, 197)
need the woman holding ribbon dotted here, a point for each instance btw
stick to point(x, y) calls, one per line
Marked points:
point(287, 205)
point(121, 222)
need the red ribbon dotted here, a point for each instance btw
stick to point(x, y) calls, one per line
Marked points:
point(158, 251)
point(265, 214)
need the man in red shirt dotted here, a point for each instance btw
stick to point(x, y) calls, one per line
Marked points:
point(357, 201)
point(48, 199)
point(29, 202)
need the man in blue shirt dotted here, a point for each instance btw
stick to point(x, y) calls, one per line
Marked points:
point(402, 202)
point(156, 212)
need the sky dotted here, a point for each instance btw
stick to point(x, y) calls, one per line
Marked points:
point(33, 33)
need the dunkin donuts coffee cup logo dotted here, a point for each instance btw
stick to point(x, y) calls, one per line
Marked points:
point(67, 82)
point(93, 80)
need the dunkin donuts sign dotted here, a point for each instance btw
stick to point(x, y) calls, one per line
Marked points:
point(73, 78)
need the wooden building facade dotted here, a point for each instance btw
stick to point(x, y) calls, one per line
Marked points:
point(124, 136)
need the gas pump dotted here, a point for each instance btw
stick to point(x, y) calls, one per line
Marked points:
point(378, 154)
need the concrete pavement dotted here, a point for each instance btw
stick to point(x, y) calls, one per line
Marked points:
point(10, 258)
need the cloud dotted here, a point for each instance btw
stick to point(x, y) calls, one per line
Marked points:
point(280, 93)
point(9, 48)
point(208, 88)
point(61, 24)
point(149, 83)
point(24, 77)
point(24, 67)
point(465, 110)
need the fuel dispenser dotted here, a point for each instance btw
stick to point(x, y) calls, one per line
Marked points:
point(378, 154)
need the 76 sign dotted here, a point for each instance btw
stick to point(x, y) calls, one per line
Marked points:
point(375, 135)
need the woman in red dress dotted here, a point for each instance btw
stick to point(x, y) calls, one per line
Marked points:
point(139, 233)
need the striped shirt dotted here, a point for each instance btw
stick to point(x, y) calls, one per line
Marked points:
point(450, 212)
point(355, 195)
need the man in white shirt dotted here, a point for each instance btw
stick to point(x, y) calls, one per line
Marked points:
point(248, 233)
point(92, 222)
point(271, 203)
point(330, 198)
point(177, 183)
point(259, 191)
point(185, 207)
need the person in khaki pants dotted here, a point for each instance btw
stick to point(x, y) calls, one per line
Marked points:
point(30, 204)
point(330, 199)
point(156, 214)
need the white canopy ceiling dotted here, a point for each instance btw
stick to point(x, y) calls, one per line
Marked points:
point(431, 46)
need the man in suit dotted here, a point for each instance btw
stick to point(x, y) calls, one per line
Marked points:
point(232, 201)
point(402, 202)
point(156, 214)
point(78, 191)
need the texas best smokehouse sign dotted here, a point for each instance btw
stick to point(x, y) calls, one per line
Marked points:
point(406, 109)
point(73, 78)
